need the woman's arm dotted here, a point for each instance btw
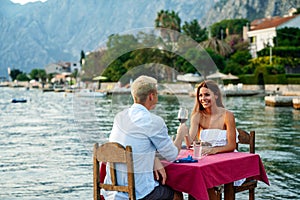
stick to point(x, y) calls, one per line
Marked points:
point(189, 138)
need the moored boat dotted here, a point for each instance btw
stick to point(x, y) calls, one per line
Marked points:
point(19, 100)
point(296, 103)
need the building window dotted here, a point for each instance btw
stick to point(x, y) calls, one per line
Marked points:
point(252, 39)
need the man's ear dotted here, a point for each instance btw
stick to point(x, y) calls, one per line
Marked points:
point(151, 97)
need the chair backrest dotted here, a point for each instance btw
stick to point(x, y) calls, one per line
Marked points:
point(113, 153)
point(247, 138)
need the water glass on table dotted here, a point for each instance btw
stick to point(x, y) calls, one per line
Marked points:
point(197, 150)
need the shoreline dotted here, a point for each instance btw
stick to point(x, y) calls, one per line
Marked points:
point(179, 88)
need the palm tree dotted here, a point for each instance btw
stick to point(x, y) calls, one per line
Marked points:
point(168, 20)
point(170, 28)
point(194, 31)
point(217, 45)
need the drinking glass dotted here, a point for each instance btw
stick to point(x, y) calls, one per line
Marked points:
point(182, 115)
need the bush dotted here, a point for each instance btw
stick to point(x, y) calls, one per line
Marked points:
point(22, 77)
point(249, 79)
point(293, 78)
point(233, 68)
point(275, 69)
point(281, 52)
point(275, 79)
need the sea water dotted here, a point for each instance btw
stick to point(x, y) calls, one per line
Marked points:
point(46, 144)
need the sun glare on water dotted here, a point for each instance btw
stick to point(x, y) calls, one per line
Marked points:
point(22, 2)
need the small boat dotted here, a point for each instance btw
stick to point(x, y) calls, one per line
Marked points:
point(19, 100)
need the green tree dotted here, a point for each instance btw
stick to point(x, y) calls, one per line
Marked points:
point(168, 20)
point(288, 36)
point(241, 57)
point(194, 30)
point(170, 24)
point(233, 26)
point(22, 77)
point(82, 57)
point(219, 46)
point(14, 73)
point(117, 55)
point(237, 62)
point(38, 74)
point(217, 58)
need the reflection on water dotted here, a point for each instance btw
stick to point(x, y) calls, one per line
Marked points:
point(46, 143)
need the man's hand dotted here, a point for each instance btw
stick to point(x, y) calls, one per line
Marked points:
point(159, 171)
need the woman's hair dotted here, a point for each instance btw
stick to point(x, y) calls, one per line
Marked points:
point(211, 85)
point(141, 87)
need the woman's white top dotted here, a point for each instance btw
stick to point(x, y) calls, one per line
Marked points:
point(217, 137)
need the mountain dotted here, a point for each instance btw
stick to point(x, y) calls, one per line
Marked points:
point(36, 34)
point(247, 9)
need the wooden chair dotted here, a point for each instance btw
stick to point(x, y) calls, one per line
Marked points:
point(250, 183)
point(112, 153)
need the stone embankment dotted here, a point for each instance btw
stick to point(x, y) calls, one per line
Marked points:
point(275, 95)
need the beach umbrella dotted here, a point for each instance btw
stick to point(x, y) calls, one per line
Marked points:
point(99, 78)
point(216, 75)
point(230, 77)
point(191, 78)
point(53, 80)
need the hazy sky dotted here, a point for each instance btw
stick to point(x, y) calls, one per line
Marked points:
point(25, 1)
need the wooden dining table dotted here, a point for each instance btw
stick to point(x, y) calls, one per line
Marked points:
point(213, 170)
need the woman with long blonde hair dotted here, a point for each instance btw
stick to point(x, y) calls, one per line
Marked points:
point(212, 125)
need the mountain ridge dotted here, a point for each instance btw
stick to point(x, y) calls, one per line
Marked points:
point(36, 34)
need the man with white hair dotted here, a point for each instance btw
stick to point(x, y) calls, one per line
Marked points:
point(147, 134)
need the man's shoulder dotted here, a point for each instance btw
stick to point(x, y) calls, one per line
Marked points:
point(157, 118)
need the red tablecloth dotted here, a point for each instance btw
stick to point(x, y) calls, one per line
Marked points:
point(213, 170)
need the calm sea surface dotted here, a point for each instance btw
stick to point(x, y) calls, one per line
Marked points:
point(46, 144)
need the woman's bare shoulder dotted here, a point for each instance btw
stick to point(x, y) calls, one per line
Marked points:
point(229, 113)
point(195, 116)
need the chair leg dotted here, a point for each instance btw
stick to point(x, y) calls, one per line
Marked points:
point(190, 197)
point(178, 195)
point(229, 193)
point(214, 194)
point(251, 194)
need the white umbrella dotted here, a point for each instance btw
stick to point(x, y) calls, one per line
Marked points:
point(99, 78)
point(217, 75)
point(53, 80)
point(189, 77)
point(231, 77)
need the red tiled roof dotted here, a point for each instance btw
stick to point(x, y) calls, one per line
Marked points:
point(265, 23)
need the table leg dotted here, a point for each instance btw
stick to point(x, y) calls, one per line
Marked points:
point(229, 191)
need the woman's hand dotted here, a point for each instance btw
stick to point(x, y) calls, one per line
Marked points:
point(159, 171)
point(208, 150)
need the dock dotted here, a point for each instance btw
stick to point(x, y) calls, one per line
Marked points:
point(283, 101)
